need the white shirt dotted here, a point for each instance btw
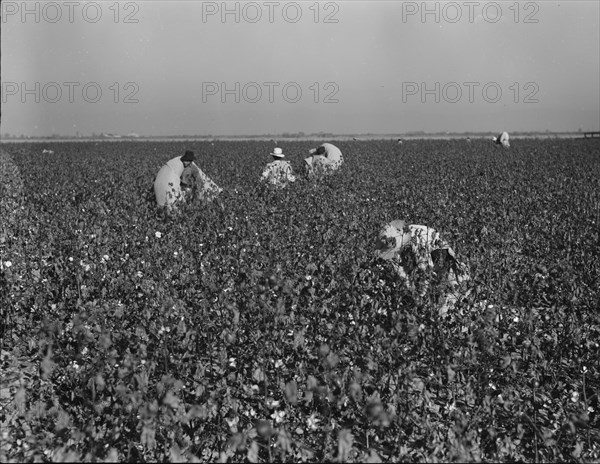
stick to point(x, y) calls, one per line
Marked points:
point(332, 153)
point(176, 165)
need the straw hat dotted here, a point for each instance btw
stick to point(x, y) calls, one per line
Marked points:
point(278, 153)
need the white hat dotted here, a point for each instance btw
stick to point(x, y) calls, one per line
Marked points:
point(278, 153)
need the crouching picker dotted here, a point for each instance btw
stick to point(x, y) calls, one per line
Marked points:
point(323, 161)
point(424, 263)
point(181, 179)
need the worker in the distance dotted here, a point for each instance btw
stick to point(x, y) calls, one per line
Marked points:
point(323, 160)
point(278, 172)
point(168, 183)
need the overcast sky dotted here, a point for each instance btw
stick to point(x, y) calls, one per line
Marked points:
point(344, 67)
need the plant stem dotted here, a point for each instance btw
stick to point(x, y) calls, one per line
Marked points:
point(535, 434)
point(585, 402)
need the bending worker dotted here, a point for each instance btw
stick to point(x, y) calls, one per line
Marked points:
point(324, 160)
point(502, 139)
point(168, 185)
point(278, 172)
point(419, 255)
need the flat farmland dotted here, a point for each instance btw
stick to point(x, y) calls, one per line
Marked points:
point(261, 328)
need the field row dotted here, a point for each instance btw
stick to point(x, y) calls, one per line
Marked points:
point(261, 327)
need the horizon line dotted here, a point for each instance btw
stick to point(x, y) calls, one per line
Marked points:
point(285, 135)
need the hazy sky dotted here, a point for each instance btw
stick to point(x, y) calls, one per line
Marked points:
point(345, 67)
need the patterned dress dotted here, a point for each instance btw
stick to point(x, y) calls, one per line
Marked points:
point(197, 185)
point(421, 257)
point(278, 173)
